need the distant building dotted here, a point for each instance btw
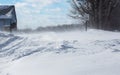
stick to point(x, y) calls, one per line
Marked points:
point(8, 20)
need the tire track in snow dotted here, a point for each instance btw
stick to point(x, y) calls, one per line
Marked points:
point(6, 43)
point(7, 51)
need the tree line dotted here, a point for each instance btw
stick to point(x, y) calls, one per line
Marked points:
point(61, 28)
point(58, 28)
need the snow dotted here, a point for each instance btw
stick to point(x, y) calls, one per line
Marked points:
point(94, 52)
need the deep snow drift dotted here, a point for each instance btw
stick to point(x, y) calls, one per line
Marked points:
point(94, 52)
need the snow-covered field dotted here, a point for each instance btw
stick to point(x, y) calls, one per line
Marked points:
point(94, 52)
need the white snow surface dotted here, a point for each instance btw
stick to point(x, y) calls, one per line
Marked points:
point(94, 52)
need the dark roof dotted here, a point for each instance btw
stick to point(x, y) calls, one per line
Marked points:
point(8, 12)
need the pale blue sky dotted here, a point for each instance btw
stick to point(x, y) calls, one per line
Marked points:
point(35, 13)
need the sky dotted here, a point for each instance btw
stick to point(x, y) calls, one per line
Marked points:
point(36, 13)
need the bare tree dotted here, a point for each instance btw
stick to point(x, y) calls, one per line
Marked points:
point(99, 12)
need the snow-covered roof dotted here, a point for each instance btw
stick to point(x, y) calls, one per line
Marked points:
point(8, 12)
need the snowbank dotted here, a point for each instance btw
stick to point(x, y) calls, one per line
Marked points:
point(95, 52)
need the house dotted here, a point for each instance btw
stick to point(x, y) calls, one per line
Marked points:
point(8, 20)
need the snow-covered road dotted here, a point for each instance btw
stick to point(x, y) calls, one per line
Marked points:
point(94, 52)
